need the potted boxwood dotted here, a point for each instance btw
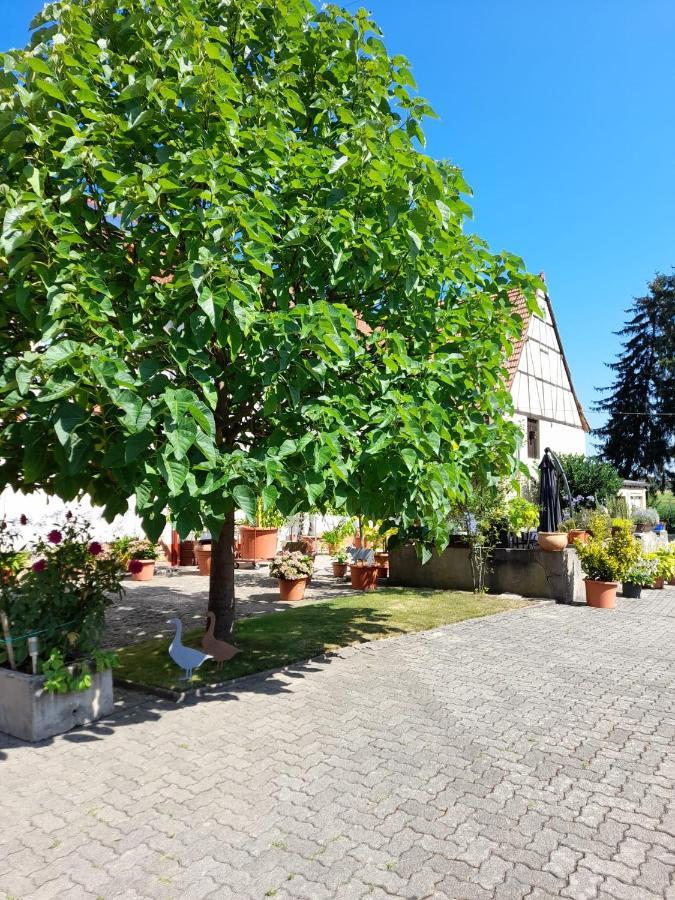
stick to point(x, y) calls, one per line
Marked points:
point(53, 597)
point(293, 570)
point(641, 575)
point(606, 559)
point(339, 564)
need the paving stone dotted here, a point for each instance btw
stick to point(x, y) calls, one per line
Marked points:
point(529, 754)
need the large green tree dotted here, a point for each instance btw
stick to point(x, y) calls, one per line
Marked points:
point(230, 271)
point(639, 436)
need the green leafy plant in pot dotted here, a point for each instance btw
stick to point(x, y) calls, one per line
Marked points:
point(664, 565)
point(606, 559)
point(339, 563)
point(335, 536)
point(522, 515)
point(641, 575)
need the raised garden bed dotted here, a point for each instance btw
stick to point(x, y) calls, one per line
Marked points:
point(30, 713)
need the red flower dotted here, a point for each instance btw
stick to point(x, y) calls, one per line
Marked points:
point(95, 548)
point(55, 537)
point(135, 566)
point(40, 565)
point(23, 519)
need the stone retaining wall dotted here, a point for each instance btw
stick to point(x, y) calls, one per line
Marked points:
point(531, 573)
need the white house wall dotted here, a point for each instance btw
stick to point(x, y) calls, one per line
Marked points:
point(560, 438)
point(541, 390)
point(44, 513)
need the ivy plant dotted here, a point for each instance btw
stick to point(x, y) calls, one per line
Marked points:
point(229, 270)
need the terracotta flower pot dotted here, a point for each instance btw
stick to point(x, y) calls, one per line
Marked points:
point(552, 541)
point(292, 590)
point(364, 578)
point(258, 543)
point(658, 584)
point(339, 570)
point(203, 557)
point(601, 594)
point(672, 581)
point(147, 571)
point(577, 534)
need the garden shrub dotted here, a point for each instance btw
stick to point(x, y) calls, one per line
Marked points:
point(60, 593)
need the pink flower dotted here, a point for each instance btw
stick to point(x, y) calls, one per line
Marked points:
point(55, 537)
point(95, 548)
point(23, 519)
point(135, 566)
point(40, 565)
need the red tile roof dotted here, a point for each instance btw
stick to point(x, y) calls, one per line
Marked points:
point(520, 307)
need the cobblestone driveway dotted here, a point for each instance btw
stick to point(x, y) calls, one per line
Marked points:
point(529, 754)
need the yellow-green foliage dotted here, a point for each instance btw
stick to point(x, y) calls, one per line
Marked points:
point(610, 554)
point(664, 558)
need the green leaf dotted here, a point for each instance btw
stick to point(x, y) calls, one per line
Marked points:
point(175, 472)
point(68, 417)
point(337, 164)
point(245, 500)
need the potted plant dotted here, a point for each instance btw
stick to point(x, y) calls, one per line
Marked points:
point(641, 575)
point(335, 537)
point(202, 551)
point(364, 575)
point(339, 563)
point(584, 507)
point(606, 559)
point(664, 566)
point(522, 515)
point(258, 539)
point(644, 519)
point(53, 597)
point(293, 570)
point(144, 554)
point(552, 541)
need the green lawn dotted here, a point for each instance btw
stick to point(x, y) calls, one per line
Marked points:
point(281, 638)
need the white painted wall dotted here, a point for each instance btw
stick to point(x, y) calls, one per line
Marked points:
point(44, 513)
point(541, 390)
point(636, 498)
point(541, 387)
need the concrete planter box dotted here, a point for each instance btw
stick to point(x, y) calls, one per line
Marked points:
point(30, 713)
point(530, 573)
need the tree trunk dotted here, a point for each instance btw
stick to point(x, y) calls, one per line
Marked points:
point(221, 581)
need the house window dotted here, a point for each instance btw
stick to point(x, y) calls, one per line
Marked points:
point(533, 438)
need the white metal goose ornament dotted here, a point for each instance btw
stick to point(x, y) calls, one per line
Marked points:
point(185, 657)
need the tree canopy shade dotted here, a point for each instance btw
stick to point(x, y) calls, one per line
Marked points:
point(639, 437)
point(229, 271)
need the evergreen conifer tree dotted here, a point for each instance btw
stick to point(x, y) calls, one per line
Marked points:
point(639, 435)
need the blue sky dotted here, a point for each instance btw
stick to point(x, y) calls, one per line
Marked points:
point(561, 115)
